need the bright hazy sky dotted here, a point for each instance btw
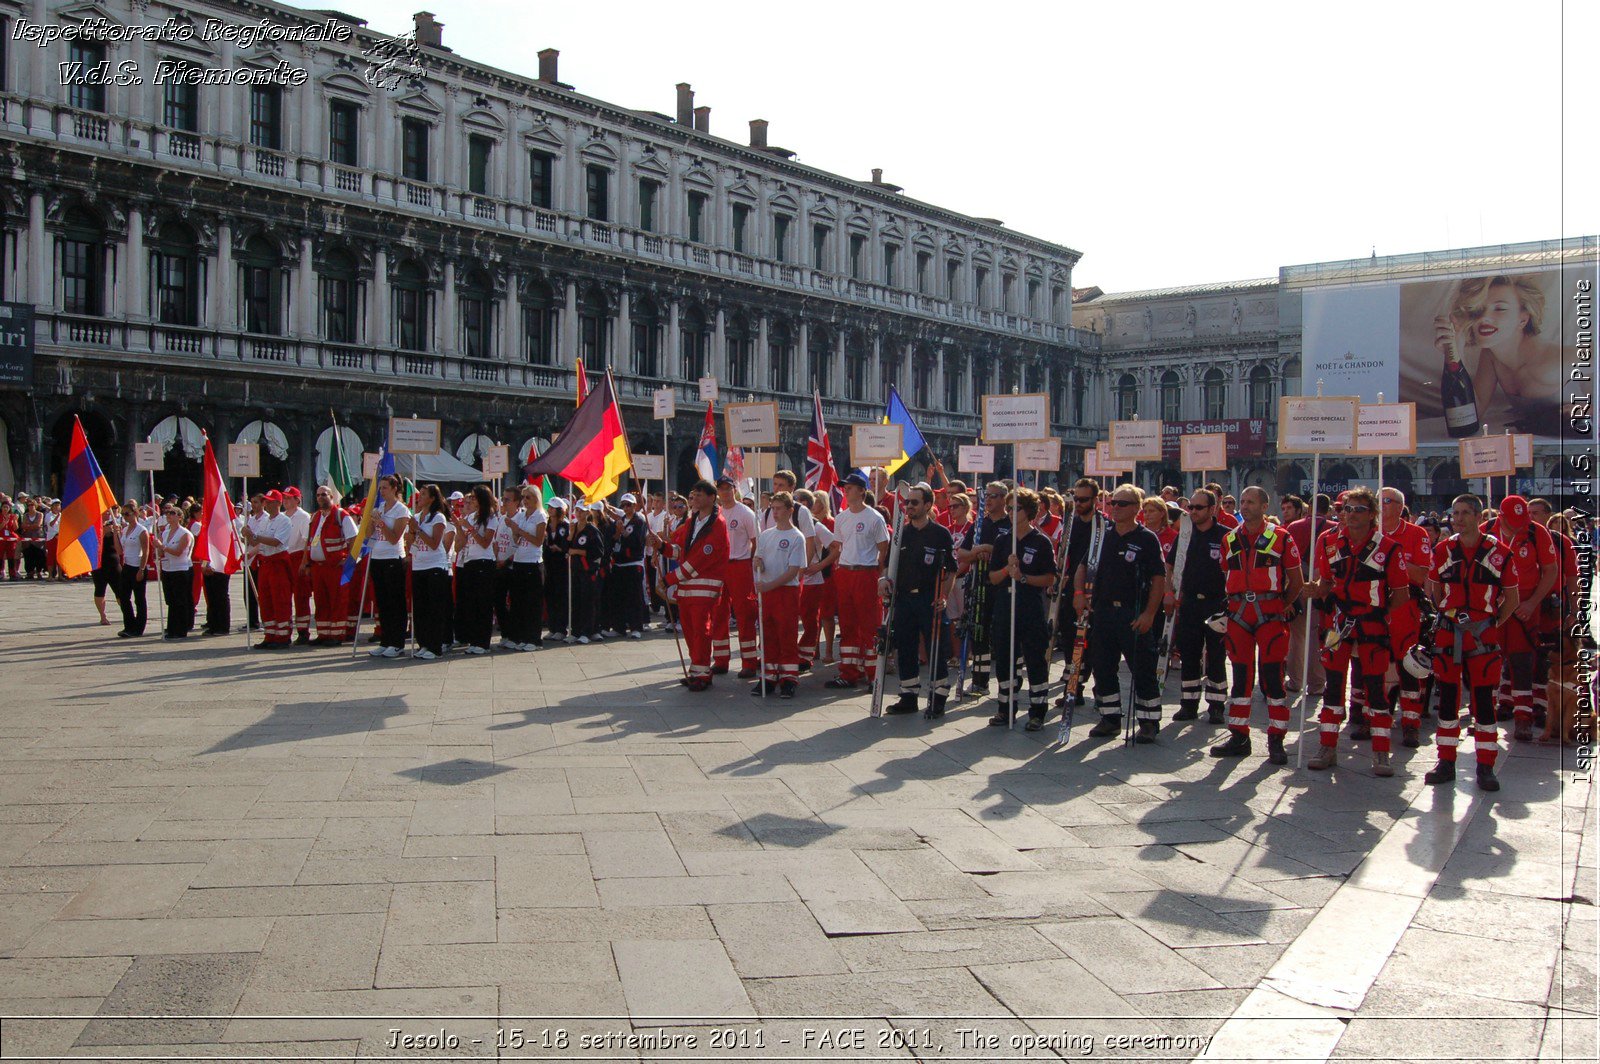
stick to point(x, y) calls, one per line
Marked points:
point(1171, 143)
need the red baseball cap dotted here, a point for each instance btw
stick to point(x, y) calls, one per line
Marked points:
point(272, 496)
point(1514, 512)
point(291, 493)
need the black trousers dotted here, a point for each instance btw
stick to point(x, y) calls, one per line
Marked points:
point(131, 600)
point(914, 622)
point(431, 603)
point(178, 591)
point(389, 595)
point(1115, 640)
point(1195, 641)
point(587, 587)
point(555, 594)
point(626, 603)
point(475, 596)
point(218, 608)
point(1032, 636)
point(106, 577)
point(526, 580)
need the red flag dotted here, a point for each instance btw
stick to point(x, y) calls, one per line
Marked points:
point(217, 545)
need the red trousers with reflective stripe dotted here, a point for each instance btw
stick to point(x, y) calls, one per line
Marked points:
point(860, 611)
point(739, 601)
point(301, 583)
point(780, 608)
point(275, 593)
point(333, 616)
point(696, 614)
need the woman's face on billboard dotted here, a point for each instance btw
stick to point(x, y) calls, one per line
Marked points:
point(1503, 319)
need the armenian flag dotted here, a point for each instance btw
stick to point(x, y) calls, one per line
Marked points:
point(592, 450)
point(911, 441)
point(84, 502)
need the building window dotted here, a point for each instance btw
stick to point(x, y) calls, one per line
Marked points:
point(1127, 398)
point(890, 253)
point(538, 325)
point(646, 324)
point(1080, 395)
point(592, 315)
point(542, 178)
point(922, 382)
point(266, 117)
point(176, 270)
point(821, 361)
point(414, 149)
point(1263, 403)
point(1171, 397)
point(259, 288)
point(1008, 292)
point(339, 299)
point(1033, 299)
point(819, 247)
point(780, 237)
point(83, 58)
point(180, 101)
point(647, 205)
point(82, 256)
point(479, 152)
point(952, 383)
point(980, 281)
point(741, 217)
point(857, 242)
point(695, 330)
point(737, 334)
point(477, 316)
point(855, 370)
point(1214, 394)
point(411, 307)
point(780, 356)
point(597, 192)
point(952, 278)
point(1291, 378)
point(923, 259)
point(343, 129)
point(697, 214)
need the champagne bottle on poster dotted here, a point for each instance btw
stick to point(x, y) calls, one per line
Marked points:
point(1457, 394)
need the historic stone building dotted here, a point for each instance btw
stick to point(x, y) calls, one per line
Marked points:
point(272, 226)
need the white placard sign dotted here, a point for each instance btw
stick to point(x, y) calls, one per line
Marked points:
point(1204, 452)
point(244, 459)
point(649, 467)
point(1135, 441)
point(149, 458)
point(369, 465)
point(1043, 455)
point(1486, 456)
point(708, 389)
point(497, 461)
point(1522, 450)
point(1108, 462)
point(1014, 418)
point(975, 458)
point(752, 424)
point(414, 435)
point(665, 403)
point(1386, 428)
point(1317, 423)
point(1092, 467)
point(872, 445)
point(760, 465)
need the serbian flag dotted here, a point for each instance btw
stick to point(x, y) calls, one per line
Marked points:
point(84, 503)
point(218, 547)
point(592, 450)
point(705, 456)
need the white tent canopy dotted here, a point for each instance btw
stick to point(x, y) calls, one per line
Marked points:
point(473, 448)
point(442, 466)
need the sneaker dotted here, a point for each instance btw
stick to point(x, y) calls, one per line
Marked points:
point(475, 650)
point(1443, 772)
point(635, 635)
point(377, 652)
point(839, 683)
point(423, 654)
point(506, 644)
point(611, 633)
point(1236, 745)
point(571, 639)
point(583, 639)
point(1110, 724)
point(787, 689)
point(391, 652)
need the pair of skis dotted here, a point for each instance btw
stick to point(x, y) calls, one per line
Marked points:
point(886, 626)
point(1073, 681)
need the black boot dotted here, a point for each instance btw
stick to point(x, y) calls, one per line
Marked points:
point(1110, 724)
point(906, 704)
point(935, 708)
point(1443, 772)
point(1035, 718)
point(1486, 780)
point(1275, 751)
point(1410, 737)
point(1236, 745)
point(1216, 713)
point(1188, 711)
point(1147, 731)
point(1360, 729)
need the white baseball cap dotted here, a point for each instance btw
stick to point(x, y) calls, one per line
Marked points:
point(456, 496)
point(629, 497)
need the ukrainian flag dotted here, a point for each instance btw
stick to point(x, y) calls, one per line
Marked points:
point(84, 502)
point(361, 545)
point(911, 441)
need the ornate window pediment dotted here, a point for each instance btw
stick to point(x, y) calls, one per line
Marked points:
point(543, 138)
point(741, 190)
point(87, 12)
point(650, 163)
point(343, 84)
point(597, 150)
point(483, 120)
point(420, 104)
point(821, 212)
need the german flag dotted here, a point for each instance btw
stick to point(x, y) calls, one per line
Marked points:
point(592, 450)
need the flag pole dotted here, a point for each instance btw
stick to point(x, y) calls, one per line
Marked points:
point(161, 591)
point(1311, 563)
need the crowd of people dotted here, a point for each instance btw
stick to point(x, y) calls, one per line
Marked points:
point(29, 525)
point(1408, 615)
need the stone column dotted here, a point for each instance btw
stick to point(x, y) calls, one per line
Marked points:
point(937, 386)
point(802, 358)
point(763, 360)
point(305, 289)
point(569, 326)
point(719, 349)
point(448, 341)
point(622, 351)
point(135, 304)
point(839, 373)
point(39, 289)
point(674, 366)
point(505, 310)
point(223, 313)
point(875, 371)
point(378, 300)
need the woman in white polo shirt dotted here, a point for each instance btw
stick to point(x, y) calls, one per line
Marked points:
point(527, 527)
point(133, 558)
point(476, 530)
point(430, 572)
point(387, 567)
point(174, 543)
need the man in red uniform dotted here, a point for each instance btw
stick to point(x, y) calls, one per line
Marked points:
point(1261, 567)
point(1556, 609)
point(327, 546)
point(1358, 573)
point(299, 573)
point(1405, 623)
point(700, 547)
point(859, 551)
point(738, 588)
point(1534, 561)
point(274, 578)
point(1476, 594)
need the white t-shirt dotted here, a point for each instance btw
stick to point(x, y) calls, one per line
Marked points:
point(741, 530)
point(347, 528)
point(860, 533)
point(279, 528)
point(779, 549)
point(825, 539)
point(802, 520)
point(473, 551)
point(132, 545)
point(382, 548)
point(502, 540)
point(177, 543)
point(300, 529)
point(529, 523)
point(424, 557)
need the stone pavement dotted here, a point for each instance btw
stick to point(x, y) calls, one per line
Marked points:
point(564, 855)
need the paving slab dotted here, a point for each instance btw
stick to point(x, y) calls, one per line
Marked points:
point(685, 979)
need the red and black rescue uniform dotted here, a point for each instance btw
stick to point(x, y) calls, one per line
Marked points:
point(1201, 596)
point(700, 547)
point(1467, 642)
point(1364, 575)
point(1256, 570)
point(1531, 548)
point(1405, 621)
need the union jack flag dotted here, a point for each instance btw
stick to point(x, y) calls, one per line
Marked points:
point(820, 472)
